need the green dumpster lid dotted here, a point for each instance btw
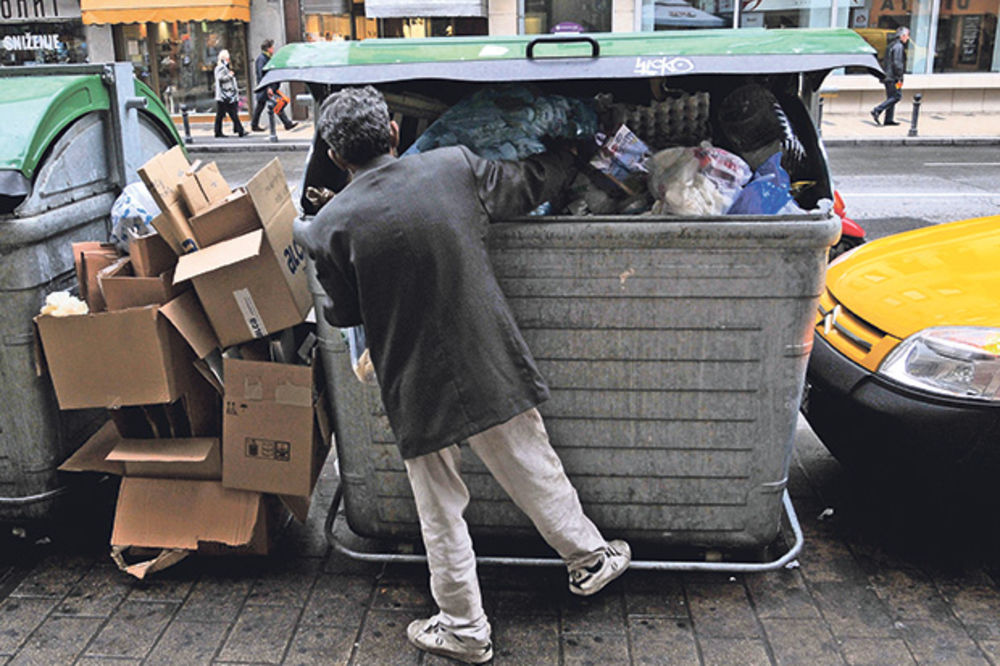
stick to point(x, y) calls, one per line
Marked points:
point(585, 56)
point(36, 108)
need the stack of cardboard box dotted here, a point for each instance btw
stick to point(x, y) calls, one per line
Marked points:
point(197, 342)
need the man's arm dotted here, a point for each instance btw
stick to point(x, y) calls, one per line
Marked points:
point(508, 189)
point(342, 308)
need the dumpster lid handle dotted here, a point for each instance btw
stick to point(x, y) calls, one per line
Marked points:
point(595, 48)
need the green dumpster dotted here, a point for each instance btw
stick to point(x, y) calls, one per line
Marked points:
point(71, 140)
point(675, 347)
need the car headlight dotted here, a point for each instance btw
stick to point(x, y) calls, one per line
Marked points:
point(960, 362)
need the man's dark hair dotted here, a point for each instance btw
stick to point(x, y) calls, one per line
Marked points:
point(266, 44)
point(354, 122)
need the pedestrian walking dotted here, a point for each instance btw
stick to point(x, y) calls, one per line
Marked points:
point(894, 66)
point(402, 250)
point(227, 95)
point(268, 97)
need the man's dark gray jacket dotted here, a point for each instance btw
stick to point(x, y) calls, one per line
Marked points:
point(402, 250)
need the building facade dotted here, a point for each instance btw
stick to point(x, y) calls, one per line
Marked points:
point(953, 55)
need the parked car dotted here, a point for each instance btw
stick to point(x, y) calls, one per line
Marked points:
point(904, 376)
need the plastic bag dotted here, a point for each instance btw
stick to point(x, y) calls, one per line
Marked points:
point(695, 180)
point(131, 215)
point(767, 193)
point(508, 122)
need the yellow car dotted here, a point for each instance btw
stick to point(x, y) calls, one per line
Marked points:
point(904, 375)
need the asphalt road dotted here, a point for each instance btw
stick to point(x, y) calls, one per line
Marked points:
point(891, 189)
point(887, 189)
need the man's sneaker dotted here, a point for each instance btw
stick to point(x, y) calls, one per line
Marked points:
point(292, 125)
point(432, 636)
point(613, 561)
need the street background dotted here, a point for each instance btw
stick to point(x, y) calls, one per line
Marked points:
point(887, 575)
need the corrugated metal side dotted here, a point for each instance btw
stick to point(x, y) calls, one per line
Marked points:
point(676, 353)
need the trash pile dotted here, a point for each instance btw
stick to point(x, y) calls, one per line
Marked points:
point(191, 329)
point(682, 154)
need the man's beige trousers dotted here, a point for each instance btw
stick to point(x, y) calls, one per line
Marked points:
point(521, 459)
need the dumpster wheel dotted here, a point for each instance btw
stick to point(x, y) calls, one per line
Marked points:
point(788, 559)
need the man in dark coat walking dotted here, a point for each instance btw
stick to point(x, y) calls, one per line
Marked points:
point(402, 250)
point(266, 97)
point(895, 66)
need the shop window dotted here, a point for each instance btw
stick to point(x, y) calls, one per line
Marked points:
point(42, 43)
point(185, 57)
point(966, 36)
point(327, 27)
point(434, 27)
point(544, 16)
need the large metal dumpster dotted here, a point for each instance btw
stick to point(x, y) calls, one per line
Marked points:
point(675, 348)
point(72, 138)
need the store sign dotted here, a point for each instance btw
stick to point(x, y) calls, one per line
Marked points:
point(35, 11)
point(30, 42)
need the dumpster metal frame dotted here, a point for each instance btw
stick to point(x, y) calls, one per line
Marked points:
point(788, 559)
point(126, 96)
point(463, 63)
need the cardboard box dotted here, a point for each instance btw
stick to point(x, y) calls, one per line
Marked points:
point(197, 413)
point(89, 258)
point(181, 516)
point(199, 190)
point(254, 284)
point(275, 428)
point(122, 289)
point(162, 176)
point(151, 255)
point(233, 216)
point(136, 356)
point(181, 458)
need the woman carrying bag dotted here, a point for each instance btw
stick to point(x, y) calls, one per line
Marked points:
point(227, 96)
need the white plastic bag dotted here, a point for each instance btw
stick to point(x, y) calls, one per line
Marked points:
point(132, 215)
point(695, 180)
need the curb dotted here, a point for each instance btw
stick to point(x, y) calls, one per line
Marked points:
point(913, 141)
point(208, 146)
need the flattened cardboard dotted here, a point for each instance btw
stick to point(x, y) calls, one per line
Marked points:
point(162, 174)
point(108, 452)
point(184, 514)
point(151, 255)
point(188, 458)
point(255, 284)
point(233, 216)
point(271, 437)
point(92, 454)
point(110, 359)
point(121, 288)
point(199, 190)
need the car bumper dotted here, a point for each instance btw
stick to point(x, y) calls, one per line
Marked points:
point(872, 424)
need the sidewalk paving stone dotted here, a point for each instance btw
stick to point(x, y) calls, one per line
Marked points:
point(189, 643)
point(261, 634)
point(728, 651)
point(132, 629)
point(59, 640)
point(662, 640)
point(876, 652)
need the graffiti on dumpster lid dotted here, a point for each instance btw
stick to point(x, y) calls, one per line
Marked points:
point(663, 65)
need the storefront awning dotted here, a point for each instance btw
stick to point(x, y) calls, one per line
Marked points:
point(154, 11)
point(425, 8)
